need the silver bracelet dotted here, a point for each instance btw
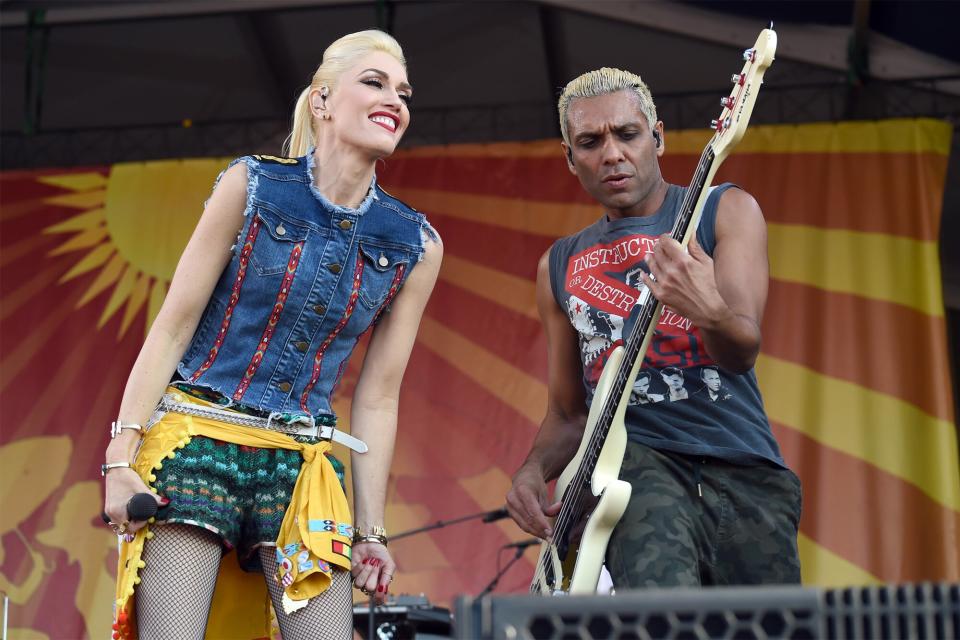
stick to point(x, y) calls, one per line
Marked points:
point(113, 465)
point(117, 427)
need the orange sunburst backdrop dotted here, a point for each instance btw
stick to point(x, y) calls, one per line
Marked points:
point(854, 367)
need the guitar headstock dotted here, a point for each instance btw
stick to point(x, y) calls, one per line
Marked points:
point(737, 107)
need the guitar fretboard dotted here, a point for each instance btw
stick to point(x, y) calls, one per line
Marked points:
point(647, 316)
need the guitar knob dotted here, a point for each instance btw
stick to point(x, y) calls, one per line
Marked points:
point(749, 54)
point(737, 78)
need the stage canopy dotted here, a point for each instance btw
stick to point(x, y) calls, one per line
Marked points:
point(96, 82)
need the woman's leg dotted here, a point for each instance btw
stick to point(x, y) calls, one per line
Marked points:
point(177, 581)
point(329, 615)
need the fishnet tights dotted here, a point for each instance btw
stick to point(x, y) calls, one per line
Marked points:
point(328, 616)
point(176, 585)
point(176, 588)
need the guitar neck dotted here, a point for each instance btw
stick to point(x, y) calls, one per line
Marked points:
point(729, 128)
point(649, 310)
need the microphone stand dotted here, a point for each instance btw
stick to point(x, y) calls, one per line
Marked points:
point(496, 579)
point(486, 516)
point(371, 619)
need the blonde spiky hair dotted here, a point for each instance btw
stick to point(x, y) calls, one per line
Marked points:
point(603, 81)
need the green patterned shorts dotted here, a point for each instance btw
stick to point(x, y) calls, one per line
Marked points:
point(240, 493)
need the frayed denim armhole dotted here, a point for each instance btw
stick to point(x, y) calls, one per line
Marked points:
point(253, 177)
point(427, 234)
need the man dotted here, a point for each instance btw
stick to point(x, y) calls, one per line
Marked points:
point(712, 383)
point(712, 501)
point(641, 390)
point(673, 378)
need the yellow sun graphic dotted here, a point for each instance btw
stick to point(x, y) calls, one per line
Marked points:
point(132, 227)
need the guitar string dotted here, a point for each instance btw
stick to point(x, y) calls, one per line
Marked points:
point(633, 346)
point(572, 515)
point(572, 509)
point(577, 483)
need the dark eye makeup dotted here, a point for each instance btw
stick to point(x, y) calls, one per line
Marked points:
point(375, 82)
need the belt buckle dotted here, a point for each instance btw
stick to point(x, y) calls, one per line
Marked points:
point(291, 428)
point(332, 432)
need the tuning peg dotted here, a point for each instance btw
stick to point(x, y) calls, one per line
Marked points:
point(748, 54)
point(738, 78)
point(727, 102)
point(717, 125)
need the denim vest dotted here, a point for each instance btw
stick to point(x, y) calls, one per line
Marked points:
point(306, 280)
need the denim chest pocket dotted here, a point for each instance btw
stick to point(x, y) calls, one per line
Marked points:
point(382, 266)
point(276, 240)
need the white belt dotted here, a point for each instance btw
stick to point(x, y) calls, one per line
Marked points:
point(302, 426)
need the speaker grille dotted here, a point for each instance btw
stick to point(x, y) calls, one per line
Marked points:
point(923, 611)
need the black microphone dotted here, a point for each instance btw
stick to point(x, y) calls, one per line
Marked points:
point(523, 544)
point(496, 514)
point(140, 508)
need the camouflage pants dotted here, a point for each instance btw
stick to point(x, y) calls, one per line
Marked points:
point(741, 530)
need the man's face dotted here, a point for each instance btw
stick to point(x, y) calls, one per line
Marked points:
point(614, 151)
point(712, 379)
point(674, 381)
point(643, 383)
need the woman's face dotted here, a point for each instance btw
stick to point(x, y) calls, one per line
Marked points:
point(369, 108)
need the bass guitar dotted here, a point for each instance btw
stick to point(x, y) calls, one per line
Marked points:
point(593, 498)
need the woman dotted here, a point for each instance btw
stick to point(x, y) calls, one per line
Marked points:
point(292, 262)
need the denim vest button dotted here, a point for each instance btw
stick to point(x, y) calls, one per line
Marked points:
point(302, 346)
point(280, 230)
point(334, 268)
point(319, 309)
point(284, 386)
point(345, 224)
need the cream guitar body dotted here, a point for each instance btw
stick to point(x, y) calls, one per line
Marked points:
point(579, 569)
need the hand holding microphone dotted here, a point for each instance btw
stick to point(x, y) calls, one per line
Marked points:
point(140, 508)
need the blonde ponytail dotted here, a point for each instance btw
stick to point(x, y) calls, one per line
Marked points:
point(338, 57)
point(302, 136)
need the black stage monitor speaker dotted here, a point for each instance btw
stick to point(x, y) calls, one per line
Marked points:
point(402, 618)
point(922, 612)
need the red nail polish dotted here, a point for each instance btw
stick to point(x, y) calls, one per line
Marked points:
point(375, 562)
point(366, 561)
point(381, 589)
point(164, 501)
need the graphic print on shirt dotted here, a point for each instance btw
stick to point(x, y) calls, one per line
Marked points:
point(603, 284)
